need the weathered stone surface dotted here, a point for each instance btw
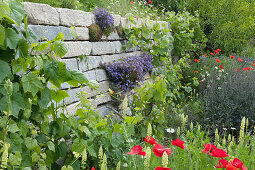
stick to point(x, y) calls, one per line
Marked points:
point(91, 75)
point(105, 110)
point(118, 46)
point(101, 75)
point(65, 85)
point(117, 19)
point(104, 98)
point(111, 58)
point(50, 32)
point(41, 14)
point(78, 48)
point(112, 36)
point(71, 64)
point(82, 33)
point(103, 86)
point(70, 17)
point(73, 95)
point(90, 93)
point(89, 63)
point(72, 108)
point(124, 22)
point(100, 48)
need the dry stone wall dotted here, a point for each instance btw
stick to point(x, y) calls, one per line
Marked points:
point(47, 22)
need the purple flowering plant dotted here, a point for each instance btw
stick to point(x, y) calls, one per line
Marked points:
point(104, 20)
point(127, 73)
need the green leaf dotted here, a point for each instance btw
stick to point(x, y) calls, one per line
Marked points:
point(5, 70)
point(22, 50)
point(93, 84)
point(42, 165)
point(85, 130)
point(46, 98)
point(188, 89)
point(67, 168)
point(2, 35)
point(13, 127)
point(17, 11)
point(51, 70)
point(24, 128)
point(19, 65)
point(76, 77)
point(35, 157)
point(117, 140)
point(59, 37)
point(15, 159)
point(4, 9)
point(59, 95)
point(91, 151)
point(12, 38)
point(61, 149)
point(3, 121)
point(43, 45)
point(51, 146)
point(131, 120)
point(60, 48)
point(31, 83)
point(79, 145)
point(30, 143)
point(117, 128)
point(17, 104)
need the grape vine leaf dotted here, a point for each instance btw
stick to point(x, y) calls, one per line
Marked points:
point(60, 48)
point(12, 38)
point(31, 83)
point(5, 70)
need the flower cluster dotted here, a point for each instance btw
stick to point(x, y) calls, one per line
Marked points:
point(158, 150)
point(104, 20)
point(125, 74)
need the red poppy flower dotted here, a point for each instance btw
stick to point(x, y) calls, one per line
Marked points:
point(189, 62)
point(217, 52)
point(238, 164)
point(178, 142)
point(150, 140)
point(240, 60)
point(161, 168)
point(229, 166)
point(211, 53)
point(208, 147)
point(205, 55)
point(253, 64)
point(252, 68)
point(159, 150)
point(201, 81)
point(93, 168)
point(222, 163)
point(137, 150)
point(195, 71)
point(218, 60)
point(236, 69)
point(232, 57)
point(132, 2)
point(246, 69)
point(221, 66)
point(253, 61)
point(219, 153)
point(149, 2)
point(196, 60)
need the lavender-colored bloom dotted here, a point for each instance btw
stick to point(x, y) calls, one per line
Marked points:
point(104, 20)
point(127, 73)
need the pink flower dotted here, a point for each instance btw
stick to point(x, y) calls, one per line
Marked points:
point(178, 142)
point(150, 140)
point(159, 150)
point(132, 2)
point(137, 150)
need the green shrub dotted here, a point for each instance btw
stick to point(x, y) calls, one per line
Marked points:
point(72, 4)
point(95, 33)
